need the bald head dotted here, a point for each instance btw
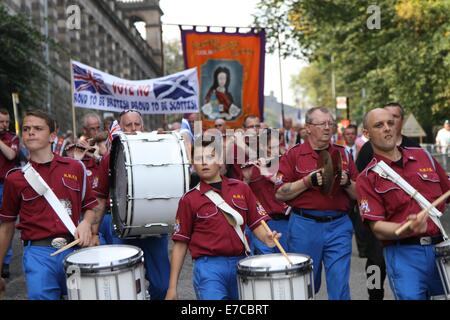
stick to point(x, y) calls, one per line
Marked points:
point(379, 128)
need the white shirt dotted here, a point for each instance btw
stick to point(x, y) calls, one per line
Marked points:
point(443, 139)
point(351, 151)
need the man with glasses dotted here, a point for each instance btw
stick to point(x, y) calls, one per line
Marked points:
point(319, 225)
point(155, 248)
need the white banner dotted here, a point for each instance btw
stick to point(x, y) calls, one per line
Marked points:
point(94, 89)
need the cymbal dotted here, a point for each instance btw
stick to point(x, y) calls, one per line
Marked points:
point(337, 168)
point(325, 161)
point(332, 171)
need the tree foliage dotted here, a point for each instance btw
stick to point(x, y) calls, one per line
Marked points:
point(21, 60)
point(407, 59)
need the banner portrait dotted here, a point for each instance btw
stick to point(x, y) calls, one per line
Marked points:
point(94, 89)
point(231, 73)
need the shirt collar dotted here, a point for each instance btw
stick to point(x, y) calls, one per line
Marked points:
point(406, 157)
point(205, 187)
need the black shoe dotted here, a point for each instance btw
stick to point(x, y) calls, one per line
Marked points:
point(5, 271)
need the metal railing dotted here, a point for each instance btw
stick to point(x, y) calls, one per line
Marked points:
point(441, 156)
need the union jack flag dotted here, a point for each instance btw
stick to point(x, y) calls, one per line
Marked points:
point(114, 131)
point(86, 80)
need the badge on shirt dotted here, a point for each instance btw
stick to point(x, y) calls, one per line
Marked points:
point(260, 209)
point(95, 183)
point(279, 180)
point(67, 205)
point(177, 226)
point(88, 173)
point(364, 206)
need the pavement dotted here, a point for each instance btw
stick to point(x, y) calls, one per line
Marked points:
point(16, 289)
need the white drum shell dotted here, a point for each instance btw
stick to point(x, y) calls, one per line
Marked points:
point(124, 280)
point(290, 283)
point(157, 177)
point(442, 251)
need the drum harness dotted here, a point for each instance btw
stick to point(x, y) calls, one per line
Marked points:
point(233, 217)
point(386, 172)
point(42, 188)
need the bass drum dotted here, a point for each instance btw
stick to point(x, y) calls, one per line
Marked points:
point(149, 175)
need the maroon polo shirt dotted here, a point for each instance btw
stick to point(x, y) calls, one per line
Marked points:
point(299, 162)
point(264, 190)
point(201, 224)
point(92, 171)
point(102, 188)
point(37, 218)
point(11, 141)
point(382, 200)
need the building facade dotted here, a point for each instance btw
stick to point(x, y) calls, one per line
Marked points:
point(104, 37)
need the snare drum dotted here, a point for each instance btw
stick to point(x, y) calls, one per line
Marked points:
point(114, 272)
point(270, 277)
point(442, 251)
point(149, 175)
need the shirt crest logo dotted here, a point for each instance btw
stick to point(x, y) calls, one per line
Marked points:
point(260, 209)
point(364, 206)
point(177, 226)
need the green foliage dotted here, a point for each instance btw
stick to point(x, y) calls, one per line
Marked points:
point(406, 60)
point(21, 61)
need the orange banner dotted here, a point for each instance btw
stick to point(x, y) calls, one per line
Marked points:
point(231, 73)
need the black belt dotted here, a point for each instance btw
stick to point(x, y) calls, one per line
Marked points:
point(423, 241)
point(57, 242)
point(279, 216)
point(320, 219)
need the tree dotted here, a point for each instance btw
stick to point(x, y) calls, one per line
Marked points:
point(173, 57)
point(21, 61)
point(407, 59)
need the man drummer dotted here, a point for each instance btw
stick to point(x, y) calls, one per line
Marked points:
point(215, 245)
point(155, 248)
point(41, 228)
point(385, 206)
point(319, 225)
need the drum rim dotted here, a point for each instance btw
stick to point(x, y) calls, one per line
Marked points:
point(302, 267)
point(118, 265)
point(442, 250)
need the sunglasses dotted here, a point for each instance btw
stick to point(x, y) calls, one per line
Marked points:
point(129, 110)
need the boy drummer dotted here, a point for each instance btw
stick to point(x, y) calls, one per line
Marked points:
point(215, 245)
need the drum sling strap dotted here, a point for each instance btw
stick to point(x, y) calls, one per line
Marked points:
point(42, 188)
point(233, 217)
point(386, 172)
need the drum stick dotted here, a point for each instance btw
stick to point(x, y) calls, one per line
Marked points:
point(277, 242)
point(68, 246)
point(436, 202)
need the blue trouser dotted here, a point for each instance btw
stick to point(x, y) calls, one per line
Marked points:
point(215, 278)
point(329, 243)
point(412, 272)
point(157, 264)
point(258, 247)
point(9, 253)
point(106, 232)
point(44, 275)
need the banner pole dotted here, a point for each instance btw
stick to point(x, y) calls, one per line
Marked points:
point(281, 81)
point(15, 99)
point(72, 85)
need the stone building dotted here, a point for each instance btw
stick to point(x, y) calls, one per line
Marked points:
point(106, 39)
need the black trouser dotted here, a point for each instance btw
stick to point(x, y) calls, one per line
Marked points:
point(369, 245)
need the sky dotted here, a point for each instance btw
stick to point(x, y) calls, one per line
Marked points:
point(234, 13)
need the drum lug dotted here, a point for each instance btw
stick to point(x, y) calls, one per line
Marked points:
point(149, 225)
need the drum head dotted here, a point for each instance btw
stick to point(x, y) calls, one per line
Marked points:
point(443, 249)
point(274, 263)
point(104, 257)
point(118, 182)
